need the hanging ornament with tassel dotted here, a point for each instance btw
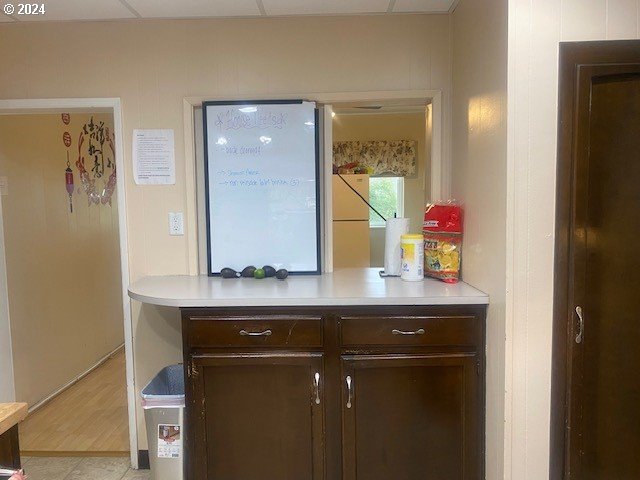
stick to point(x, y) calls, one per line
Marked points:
point(68, 176)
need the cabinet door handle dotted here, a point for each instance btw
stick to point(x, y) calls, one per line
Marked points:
point(420, 331)
point(349, 391)
point(316, 387)
point(266, 333)
point(580, 334)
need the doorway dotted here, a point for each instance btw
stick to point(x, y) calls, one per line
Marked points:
point(595, 420)
point(381, 169)
point(66, 274)
point(438, 183)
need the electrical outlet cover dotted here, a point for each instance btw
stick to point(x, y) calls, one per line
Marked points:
point(176, 223)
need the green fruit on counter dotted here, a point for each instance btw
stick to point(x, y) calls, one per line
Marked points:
point(248, 271)
point(282, 274)
point(269, 271)
point(258, 273)
point(229, 273)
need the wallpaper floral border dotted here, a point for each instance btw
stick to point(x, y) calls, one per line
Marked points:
point(376, 157)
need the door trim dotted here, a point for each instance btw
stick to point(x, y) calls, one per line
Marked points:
point(573, 56)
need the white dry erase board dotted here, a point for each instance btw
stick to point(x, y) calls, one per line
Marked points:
point(262, 188)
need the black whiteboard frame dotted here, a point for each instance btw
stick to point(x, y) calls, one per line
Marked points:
point(205, 104)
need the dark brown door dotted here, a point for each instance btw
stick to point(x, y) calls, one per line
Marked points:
point(411, 417)
point(598, 284)
point(258, 417)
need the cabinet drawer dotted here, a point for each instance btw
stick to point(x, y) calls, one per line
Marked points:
point(409, 331)
point(271, 331)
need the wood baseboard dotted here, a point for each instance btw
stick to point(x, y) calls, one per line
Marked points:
point(71, 453)
point(143, 460)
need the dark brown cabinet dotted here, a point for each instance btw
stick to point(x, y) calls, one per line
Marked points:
point(330, 393)
point(260, 416)
point(410, 417)
point(10, 448)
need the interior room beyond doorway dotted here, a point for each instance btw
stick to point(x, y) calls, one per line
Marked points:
point(61, 241)
point(383, 154)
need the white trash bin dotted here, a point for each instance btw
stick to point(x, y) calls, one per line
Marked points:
point(163, 403)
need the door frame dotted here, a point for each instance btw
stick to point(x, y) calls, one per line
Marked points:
point(440, 173)
point(43, 105)
point(573, 55)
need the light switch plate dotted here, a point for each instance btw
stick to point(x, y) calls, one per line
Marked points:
point(176, 223)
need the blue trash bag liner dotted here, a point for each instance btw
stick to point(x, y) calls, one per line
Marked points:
point(166, 389)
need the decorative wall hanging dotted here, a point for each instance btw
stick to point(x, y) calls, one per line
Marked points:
point(68, 178)
point(68, 173)
point(96, 135)
point(376, 157)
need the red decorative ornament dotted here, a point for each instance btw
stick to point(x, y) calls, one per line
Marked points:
point(66, 118)
point(66, 138)
point(68, 180)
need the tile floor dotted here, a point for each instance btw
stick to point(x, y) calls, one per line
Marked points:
point(78, 468)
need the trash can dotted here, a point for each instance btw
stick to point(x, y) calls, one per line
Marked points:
point(163, 403)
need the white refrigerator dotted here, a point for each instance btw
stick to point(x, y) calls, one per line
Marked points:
point(351, 242)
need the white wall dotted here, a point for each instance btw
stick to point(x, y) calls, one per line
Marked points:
point(535, 30)
point(479, 153)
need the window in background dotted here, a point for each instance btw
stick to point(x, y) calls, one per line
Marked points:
point(386, 194)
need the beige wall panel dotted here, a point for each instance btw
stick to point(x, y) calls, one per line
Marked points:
point(582, 19)
point(63, 269)
point(622, 23)
point(479, 180)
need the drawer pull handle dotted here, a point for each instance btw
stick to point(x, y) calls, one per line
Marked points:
point(349, 391)
point(316, 387)
point(420, 331)
point(266, 333)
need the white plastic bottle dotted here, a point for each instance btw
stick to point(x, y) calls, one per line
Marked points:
point(412, 246)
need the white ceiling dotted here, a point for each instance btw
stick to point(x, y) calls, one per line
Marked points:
point(62, 10)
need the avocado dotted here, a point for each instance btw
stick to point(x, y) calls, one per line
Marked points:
point(282, 274)
point(269, 271)
point(248, 271)
point(229, 273)
point(258, 273)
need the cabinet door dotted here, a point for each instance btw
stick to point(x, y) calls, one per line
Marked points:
point(256, 417)
point(411, 417)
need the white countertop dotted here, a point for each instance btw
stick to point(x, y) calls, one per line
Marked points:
point(350, 286)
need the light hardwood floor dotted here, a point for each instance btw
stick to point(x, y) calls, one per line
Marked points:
point(87, 419)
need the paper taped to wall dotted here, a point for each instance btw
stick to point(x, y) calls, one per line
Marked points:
point(154, 161)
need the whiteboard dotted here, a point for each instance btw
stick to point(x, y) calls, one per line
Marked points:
point(262, 186)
